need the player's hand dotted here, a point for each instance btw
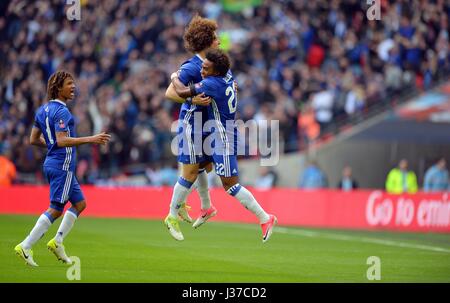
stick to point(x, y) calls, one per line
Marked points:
point(101, 138)
point(201, 99)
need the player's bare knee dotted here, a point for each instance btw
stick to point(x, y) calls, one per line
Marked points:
point(191, 177)
point(54, 213)
point(190, 173)
point(80, 206)
point(209, 167)
point(228, 182)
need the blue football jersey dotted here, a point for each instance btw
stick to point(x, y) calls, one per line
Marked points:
point(189, 73)
point(50, 118)
point(192, 117)
point(222, 92)
point(221, 111)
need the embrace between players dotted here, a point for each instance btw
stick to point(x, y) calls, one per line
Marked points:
point(205, 85)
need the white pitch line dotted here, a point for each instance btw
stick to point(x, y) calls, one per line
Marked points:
point(317, 234)
point(359, 239)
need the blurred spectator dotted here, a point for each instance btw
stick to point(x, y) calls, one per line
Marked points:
point(400, 180)
point(354, 101)
point(347, 182)
point(307, 124)
point(267, 178)
point(169, 175)
point(7, 169)
point(313, 177)
point(165, 176)
point(436, 177)
point(322, 103)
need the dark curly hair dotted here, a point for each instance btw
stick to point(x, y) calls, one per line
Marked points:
point(200, 34)
point(55, 83)
point(220, 60)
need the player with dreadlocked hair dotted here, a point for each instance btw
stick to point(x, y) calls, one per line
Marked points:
point(55, 83)
point(54, 129)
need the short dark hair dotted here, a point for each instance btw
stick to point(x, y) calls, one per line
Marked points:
point(55, 83)
point(220, 60)
point(199, 34)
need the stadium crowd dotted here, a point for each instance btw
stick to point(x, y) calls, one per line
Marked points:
point(304, 63)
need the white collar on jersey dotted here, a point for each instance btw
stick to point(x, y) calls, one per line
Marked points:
point(200, 57)
point(59, 101)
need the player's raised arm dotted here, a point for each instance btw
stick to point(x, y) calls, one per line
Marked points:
point(36, 138)
point(64, 141)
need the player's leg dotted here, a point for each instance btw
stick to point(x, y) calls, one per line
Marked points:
point(71, 214)
point(194, 146)
point(183, 187)
point(78, 201)
point(24, 249)
point(56, 180)
point(207, 210)
point(232, 187)
point(230, 182)
point(189, 155)
point(202, 184)
point(181, 190)
point(183, 210)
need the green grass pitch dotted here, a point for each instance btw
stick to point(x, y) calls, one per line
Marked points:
point(126, 250)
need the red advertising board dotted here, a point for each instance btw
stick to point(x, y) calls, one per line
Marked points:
point(366, 209)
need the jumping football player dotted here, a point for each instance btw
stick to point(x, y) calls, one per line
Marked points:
point(200, 36)
point(54, 129)
point(218, 84)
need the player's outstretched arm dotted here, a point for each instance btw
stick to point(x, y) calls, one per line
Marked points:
point(36, 138)
point(64, 141)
